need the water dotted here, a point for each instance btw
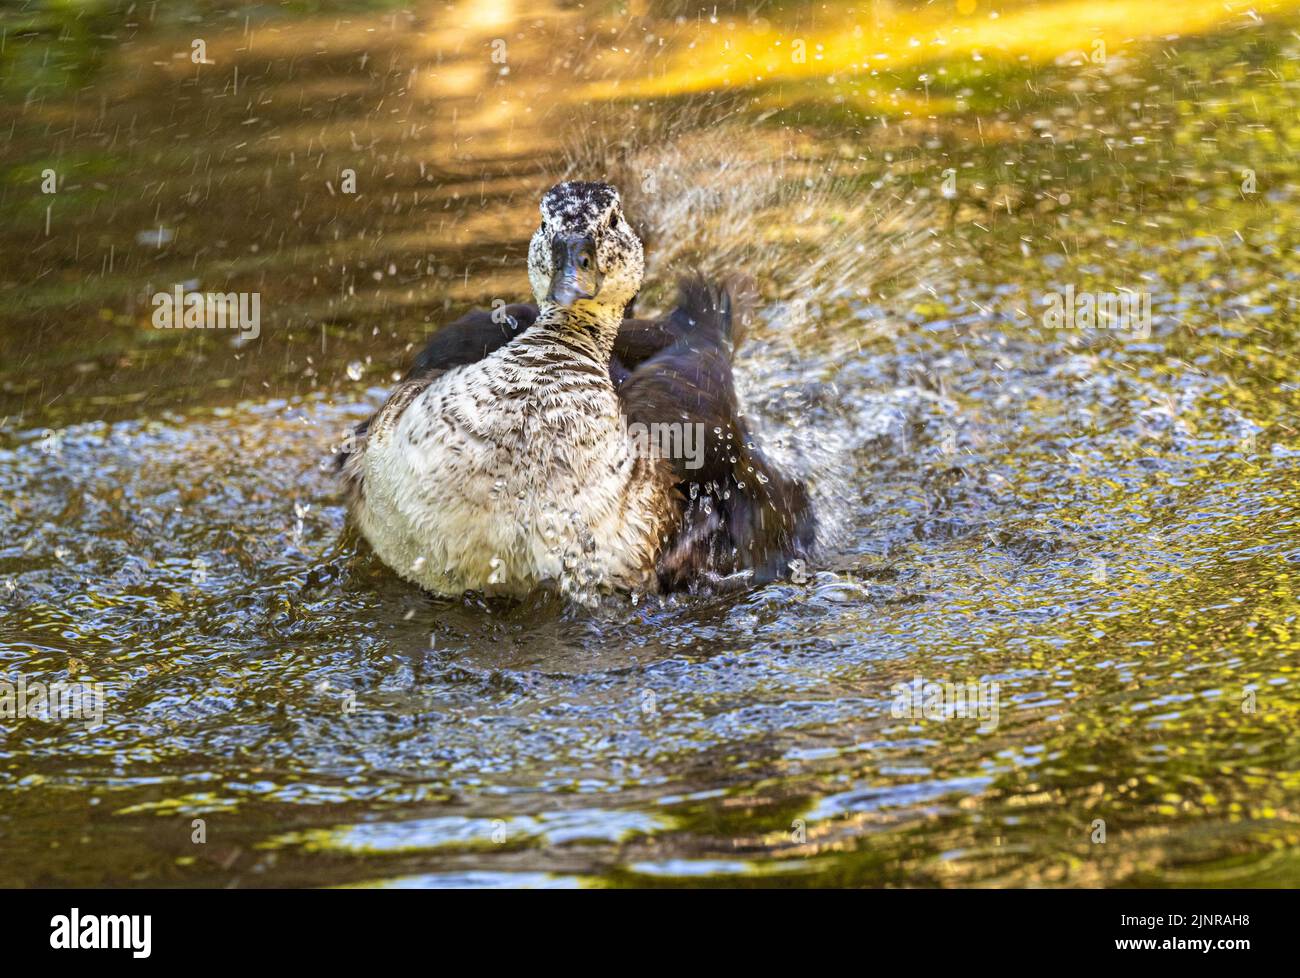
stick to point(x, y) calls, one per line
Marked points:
point(1105, 525)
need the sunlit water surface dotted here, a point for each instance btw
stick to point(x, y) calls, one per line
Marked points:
point(1106, 526)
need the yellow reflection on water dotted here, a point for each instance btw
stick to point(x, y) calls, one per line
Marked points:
point(850, 42)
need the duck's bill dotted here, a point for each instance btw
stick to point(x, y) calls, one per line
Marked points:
point(576, 275)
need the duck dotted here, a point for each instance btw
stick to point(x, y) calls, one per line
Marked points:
point(566, 445)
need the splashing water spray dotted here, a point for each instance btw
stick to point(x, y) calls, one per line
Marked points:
point(821, 254)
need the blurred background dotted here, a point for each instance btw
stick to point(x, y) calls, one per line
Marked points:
point(1102, 523)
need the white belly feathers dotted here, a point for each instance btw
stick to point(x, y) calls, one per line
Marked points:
point(509, 474)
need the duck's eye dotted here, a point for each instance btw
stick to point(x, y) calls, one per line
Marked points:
point(613, 219)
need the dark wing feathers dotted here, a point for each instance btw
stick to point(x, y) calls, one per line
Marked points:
point(741, 512)
point(471, 338)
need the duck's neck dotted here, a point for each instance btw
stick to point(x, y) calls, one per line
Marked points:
point(585, 327)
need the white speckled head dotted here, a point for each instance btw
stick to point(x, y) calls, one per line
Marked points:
point(585, 255)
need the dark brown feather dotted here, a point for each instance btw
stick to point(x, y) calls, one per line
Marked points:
point(741, 512)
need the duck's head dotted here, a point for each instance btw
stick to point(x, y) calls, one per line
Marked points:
point(585, 256)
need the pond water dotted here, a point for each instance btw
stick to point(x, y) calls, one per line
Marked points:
point(1094, 531)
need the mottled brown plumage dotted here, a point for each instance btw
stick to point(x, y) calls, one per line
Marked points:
point(722, 509)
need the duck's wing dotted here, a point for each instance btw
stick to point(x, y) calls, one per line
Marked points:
point(740, 511)
point(640, 339)
point(470, 338)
